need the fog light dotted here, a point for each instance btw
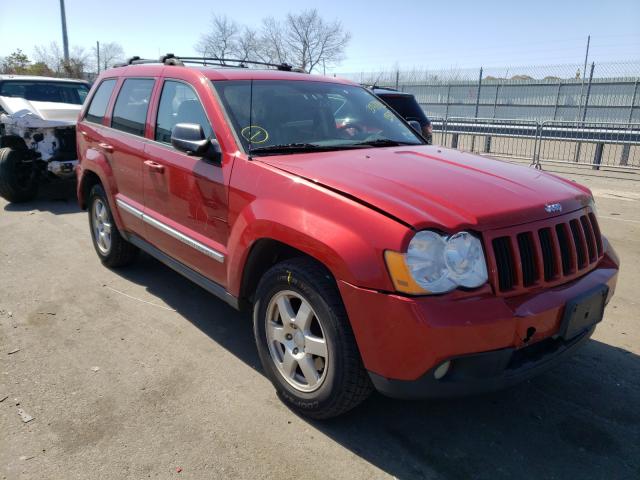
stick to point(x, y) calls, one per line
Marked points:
point(442, 370)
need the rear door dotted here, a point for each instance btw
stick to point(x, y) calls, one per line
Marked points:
point(124, 143)
point(185, 196)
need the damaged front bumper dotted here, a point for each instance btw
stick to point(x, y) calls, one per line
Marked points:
point(62, 169)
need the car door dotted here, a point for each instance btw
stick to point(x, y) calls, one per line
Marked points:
point(123, 144)
point(185, 196)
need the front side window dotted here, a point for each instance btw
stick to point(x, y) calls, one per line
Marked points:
point(100, 101)
point(130, 110)
point(287, 116)
point(45, 91)
point(179, 104)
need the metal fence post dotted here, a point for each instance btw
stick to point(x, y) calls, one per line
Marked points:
point(495, 100)
point(446, 111)
point(473, 138)
point(537, 143)
point(586, 100)
point(555, 109)
point(478, 94)
point(633, 102)
point(584, 110)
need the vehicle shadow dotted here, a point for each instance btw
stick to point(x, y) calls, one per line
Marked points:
point(58, 198)
point(580, 420)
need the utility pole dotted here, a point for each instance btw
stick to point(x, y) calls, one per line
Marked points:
point(584, 74)
point(98, 54)
point(65, 40)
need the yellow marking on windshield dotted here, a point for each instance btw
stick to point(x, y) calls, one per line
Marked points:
point(255, 134)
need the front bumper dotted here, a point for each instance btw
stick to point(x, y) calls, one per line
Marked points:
point(492, 341)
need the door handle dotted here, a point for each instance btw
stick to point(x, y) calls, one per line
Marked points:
point(156, 167)
point(106, 147)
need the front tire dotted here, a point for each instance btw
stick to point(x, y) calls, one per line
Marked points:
point(305, 341)
point(18, 180)
point(113, 250)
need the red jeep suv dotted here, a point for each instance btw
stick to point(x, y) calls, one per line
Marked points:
point(369, 259)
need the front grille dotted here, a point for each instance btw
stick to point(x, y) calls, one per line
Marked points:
point(549, 252)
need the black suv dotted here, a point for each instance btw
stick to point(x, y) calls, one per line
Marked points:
point(408, 108)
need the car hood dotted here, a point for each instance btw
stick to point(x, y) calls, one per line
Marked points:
point(34, 114)
point(427, 186)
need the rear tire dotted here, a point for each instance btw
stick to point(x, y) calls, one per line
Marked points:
point(18, 181)
point(314, 365)
point(113, 250)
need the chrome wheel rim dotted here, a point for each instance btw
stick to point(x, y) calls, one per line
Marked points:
point(296, 340)
point(101, 226)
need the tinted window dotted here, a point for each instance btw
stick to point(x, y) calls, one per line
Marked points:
point(99, 102)
point(179, 104)
point(406, 106)
point(41, 91)
point(130, 111)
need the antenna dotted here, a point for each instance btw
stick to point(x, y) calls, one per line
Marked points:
point(250, 115)
point(375, 84)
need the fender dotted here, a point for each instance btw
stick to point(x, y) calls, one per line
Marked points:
point(94, 161)
point(346, 237)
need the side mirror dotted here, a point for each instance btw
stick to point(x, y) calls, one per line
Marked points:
point(190, 138)
point(415, 125)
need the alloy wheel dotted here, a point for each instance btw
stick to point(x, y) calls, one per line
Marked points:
point(296, 341)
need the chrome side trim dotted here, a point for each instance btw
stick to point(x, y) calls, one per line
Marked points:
point(209, 252)
point(130, 209)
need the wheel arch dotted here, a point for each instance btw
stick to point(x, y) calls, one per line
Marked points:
point(89, 179)
point(263, 254)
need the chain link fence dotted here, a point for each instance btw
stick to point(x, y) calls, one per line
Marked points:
point(605, 92)
point(563, 114)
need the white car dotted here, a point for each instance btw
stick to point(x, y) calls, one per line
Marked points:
point(37, 132)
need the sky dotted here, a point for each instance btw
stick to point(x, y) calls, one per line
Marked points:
point(385, 34)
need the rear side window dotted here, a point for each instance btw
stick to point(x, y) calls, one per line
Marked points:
point(179, 104)
point(99, 102)
point(406, 106)
point(130, 111)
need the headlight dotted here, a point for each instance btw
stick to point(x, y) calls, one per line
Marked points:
point(436, 263)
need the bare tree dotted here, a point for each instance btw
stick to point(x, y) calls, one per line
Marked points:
point(311, 40)
point(222, 39)
point(53, 57)
point(272, 42)
point(248, 45)
point(110, 53)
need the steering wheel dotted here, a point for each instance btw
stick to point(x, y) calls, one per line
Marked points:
point(351, 129)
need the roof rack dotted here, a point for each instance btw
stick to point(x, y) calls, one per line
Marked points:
point(171, 59)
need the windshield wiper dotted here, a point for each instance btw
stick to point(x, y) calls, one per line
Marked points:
point(289, 148)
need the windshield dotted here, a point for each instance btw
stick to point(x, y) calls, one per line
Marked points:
point(289, 116)
point(41, 91)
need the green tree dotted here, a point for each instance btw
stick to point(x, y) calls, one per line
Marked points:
point(16, 63)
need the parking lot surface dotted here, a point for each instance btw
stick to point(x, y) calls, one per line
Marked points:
point(138, 373)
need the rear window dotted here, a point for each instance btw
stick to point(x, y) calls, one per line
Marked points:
point(99, 102)
point(45, 91)
point(406, 106)
point(130, 111)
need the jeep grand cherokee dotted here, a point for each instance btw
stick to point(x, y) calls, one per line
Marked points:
point(368, 258)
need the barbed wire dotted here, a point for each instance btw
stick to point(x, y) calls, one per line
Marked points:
point(571, 72)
